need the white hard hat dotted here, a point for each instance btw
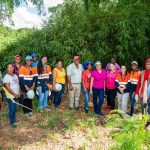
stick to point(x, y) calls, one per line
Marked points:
point(58, 87)
point(30, 94)
point(49, 93)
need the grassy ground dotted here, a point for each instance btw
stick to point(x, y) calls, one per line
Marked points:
point(59, 129)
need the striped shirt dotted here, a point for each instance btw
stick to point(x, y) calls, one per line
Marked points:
point(134, 78)
point(46, 76)
point(27, 76)
point(123, 81)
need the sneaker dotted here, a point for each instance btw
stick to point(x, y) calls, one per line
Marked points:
point(86, 110)
point(30, 114)
point(13, 125)
point(16, 123)
point(47, 109)
point(27, 114)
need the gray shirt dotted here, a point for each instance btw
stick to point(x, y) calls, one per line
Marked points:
point(75, 73)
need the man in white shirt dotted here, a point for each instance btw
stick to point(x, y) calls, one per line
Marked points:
point(74, 75)
point(11, 83)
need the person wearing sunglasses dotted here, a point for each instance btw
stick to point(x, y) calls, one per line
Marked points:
point(123, 86)
point(74, 76)
point(17, 64)
point(98, 78)
point(27, 78)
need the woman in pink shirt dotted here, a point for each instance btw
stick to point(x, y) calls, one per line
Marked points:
point(86, 79)
point(98, 77)
point(111, 90)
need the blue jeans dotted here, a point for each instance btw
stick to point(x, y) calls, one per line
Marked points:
point(12, 111)
point(86, 97)
point(57, 96)
point(43, 98)
point(132, 104)
point(98, 98)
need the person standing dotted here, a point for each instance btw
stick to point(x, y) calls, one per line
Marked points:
point(86, 80)
point(74, 75)
point(34, 60)
point(27, 78)
point(17, 64)
point(59, 78)
point(134, 78)
point(44, 83)
point(113, 61)
point(11, 83)
point(111, 89)
point(123, 86)
point(98, 78)
point(143, 87)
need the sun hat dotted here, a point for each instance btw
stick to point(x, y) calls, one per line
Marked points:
point(85, 64)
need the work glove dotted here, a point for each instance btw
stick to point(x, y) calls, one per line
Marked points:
point(136, 97)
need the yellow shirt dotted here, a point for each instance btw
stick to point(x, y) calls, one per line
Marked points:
point(60, 76)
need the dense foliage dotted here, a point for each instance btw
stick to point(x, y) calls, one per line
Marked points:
point(118, 27)
point(129, 133)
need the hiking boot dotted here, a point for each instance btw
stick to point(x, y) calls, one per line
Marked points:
point(13, 125)
point(86, 110)
point(27, 114)
point(47, 109)
point(30, 114)
point(16, 123)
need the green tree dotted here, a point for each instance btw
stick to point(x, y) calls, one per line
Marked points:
point(7, 7)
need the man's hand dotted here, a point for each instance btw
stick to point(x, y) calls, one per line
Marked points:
point(16, 96)
point(70, 87)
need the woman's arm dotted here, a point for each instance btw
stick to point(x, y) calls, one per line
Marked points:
point(7, 85)
point(91, 85)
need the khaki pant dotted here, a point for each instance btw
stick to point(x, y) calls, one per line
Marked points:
point(122, 101)
point(74, 96)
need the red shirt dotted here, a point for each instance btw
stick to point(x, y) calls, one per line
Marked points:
point(146, 77)
point(86, 77)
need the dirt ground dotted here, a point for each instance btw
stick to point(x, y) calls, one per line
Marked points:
point(37, 133)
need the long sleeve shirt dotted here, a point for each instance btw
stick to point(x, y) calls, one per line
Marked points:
point(123, 81)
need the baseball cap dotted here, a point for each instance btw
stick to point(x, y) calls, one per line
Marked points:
point(17, 57)
point(98, 63)
point(28, 57)
point(33, 54)
point(76, 58)
point(134, 62)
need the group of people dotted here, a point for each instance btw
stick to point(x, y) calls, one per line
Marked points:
point(23, 82)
